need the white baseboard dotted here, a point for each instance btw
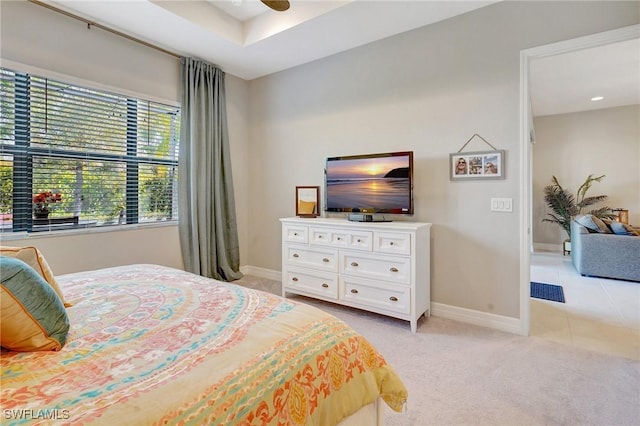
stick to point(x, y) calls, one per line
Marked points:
point(469, 316)
point(269, 274)
point(546, 247)
point(483, 319)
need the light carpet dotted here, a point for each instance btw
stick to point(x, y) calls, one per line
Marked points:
point(460, 374)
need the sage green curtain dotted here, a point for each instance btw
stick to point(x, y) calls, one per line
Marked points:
point(208, 228)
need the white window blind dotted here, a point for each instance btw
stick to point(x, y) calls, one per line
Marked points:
point(89, 157)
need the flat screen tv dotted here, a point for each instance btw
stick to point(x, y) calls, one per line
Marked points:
point(371, 183)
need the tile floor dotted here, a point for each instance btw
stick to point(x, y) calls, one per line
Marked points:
point(599, 314)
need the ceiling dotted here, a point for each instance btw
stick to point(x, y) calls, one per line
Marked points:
point(567, 82)
point(249, 40)
point(242, 10)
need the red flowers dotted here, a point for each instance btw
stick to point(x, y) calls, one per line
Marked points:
point(47, 197)
point(41, 202)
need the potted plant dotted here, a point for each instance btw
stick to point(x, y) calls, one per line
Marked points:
point(41, 203)
point(566, 206)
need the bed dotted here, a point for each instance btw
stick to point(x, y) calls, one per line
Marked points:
point(155, 345)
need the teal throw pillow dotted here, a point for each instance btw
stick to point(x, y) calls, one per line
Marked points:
point(33, 317)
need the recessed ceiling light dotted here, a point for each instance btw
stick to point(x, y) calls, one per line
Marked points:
point(597, 98)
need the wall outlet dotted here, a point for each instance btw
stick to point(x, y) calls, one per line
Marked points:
point(501, 204)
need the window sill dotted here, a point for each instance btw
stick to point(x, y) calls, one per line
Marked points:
point(8, 236)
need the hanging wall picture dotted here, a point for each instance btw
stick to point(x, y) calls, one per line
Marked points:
point(480, 165)
point(477, 165)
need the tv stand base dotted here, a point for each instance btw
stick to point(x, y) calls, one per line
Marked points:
point(359, 217)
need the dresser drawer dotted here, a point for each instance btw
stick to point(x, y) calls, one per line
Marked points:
point(295, 234)
point(365, 293)
point(313, 282)
point(324, 259)
point(355, 240)
point(392, 242)
point(389, 268)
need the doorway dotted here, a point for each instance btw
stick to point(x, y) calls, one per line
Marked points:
point(527, 137)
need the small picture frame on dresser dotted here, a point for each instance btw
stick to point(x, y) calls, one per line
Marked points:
point(307, 201)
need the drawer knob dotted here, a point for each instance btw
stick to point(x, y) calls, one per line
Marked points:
point(319, 237)
point(354, 291)
point(391, 243)
point(393, 299)
point(354, 263)
point(295, 234)
point(325, 285)
point(325, 260)
point(359, 240)
point(296, 255)
point(339, 238)
point(394, 269)
point(294, 279)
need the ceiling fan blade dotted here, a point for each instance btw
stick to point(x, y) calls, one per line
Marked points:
point(279, 5)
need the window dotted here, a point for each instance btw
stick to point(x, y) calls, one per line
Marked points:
point(76, 157)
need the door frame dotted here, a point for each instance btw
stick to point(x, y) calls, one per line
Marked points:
point(527, 138)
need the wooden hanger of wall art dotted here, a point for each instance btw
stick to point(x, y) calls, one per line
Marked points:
point(471, 138)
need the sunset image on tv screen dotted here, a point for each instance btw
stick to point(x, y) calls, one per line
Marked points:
point(366, 183)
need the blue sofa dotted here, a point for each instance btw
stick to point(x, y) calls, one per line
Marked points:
point(605, 255)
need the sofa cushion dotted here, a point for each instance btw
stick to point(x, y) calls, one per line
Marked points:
point(593, 223)
point(619, 228)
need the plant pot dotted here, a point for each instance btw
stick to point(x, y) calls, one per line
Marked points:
point(41, 214)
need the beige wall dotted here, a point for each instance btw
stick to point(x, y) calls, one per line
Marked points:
point(427, 90)
point(76, 252)
point(45, 39)
point(573, 146)
point(41, 39)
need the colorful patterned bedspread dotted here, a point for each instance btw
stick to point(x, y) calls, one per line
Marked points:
point(155, 345)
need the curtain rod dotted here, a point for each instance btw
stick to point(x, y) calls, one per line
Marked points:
point(102, 27)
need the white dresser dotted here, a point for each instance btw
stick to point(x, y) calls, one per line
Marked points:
point(381, 267)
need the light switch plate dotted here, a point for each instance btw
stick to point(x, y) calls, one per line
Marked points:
point(501, 204)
